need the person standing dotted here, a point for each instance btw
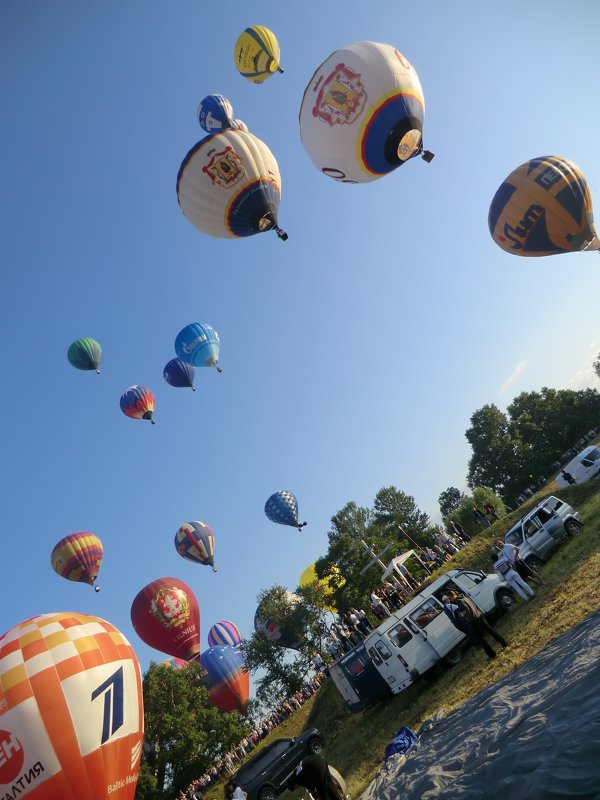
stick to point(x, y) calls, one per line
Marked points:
point(469, 619)
point(511, 552)
point(568, 477)
point(511, 577)
point(379, 605)
point(459, 531)
point(480, 518)
point(490, 511)
point(313, 774)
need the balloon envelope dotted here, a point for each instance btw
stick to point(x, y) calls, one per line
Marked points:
point(229, 186)
point(272, 630)
point(195, 542)
point(543, 208)
point(178, 373)
point(224, 633)
point(137, 402)
point(229, 677)
point(240, 125)
point(215, 113)
point(71, 715)
point(282, 507)
point(198, 344)
point(78, 557)
point(175, 663)
point(256, 54)
point(362, 113)
point(166, 616)
point(310, 577)
point(85, 354)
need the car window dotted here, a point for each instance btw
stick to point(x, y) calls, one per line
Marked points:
point(531, 525)
point(426, 613)
point(383, 649)
point(591, 457)
point(514, 537)
point(544, 514)
point(468, 580)
point(355, 666)
point(399, 635)
point(375, 657)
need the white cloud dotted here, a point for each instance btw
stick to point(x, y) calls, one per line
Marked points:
point(584, 378)
point(518, 370)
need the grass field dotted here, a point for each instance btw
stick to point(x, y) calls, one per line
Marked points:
point(355, 743)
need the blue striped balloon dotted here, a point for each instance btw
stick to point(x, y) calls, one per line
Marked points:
point(224, 633)
point(198, 344)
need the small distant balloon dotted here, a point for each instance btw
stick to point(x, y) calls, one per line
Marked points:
point(137, 402)
point(198, 344)
point(215, 113)
point(195, 542)
point(224, 633)
point(85, 354)
point(78, 557)
point(240, 125)
point(178, 373)
point(256, 54)
point(543, 208)
point(166, 616)
point(71, 710)
point(282, 507)
point(175, 663)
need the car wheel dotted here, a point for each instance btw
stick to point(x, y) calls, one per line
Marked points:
point(572, 527)
point(534, 564)
point(315, 745)
point(505, 599)
point(453, 657)
point(267, 793)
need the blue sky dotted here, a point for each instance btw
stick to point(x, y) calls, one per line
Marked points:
point(353, 354)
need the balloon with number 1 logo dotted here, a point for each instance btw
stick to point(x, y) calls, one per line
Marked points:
point(71, 710)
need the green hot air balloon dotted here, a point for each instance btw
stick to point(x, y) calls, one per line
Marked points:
point(85, 354)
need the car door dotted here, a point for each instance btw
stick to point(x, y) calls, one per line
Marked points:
point(435, 630)
point(282, 758)
point(391, 668)
point(537, 535)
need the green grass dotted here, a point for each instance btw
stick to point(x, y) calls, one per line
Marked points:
point(355, 743)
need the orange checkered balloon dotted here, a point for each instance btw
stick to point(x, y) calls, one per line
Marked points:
point(71, 712)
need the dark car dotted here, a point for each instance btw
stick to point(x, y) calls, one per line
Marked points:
point(265, 776)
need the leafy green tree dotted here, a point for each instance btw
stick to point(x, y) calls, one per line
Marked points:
point(449, 500)
point(597, 365)
point(495, 450)
point(184, 734)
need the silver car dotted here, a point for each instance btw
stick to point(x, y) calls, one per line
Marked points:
point(540, 531)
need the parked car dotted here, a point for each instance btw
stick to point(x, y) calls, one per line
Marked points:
point(542, 529)
point(419, 635)
point(265, 775)
point(584, 467)
point(358, 680)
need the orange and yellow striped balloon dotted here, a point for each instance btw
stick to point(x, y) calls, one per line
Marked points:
point(71, 710)
point(543, 208)
point(78, 557)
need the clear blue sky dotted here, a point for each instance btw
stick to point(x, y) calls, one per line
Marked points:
point(354, 353)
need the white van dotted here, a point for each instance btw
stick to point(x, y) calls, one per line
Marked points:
point(584, 467)
point(419, 635)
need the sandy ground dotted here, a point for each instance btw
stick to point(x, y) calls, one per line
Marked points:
point(533, 734)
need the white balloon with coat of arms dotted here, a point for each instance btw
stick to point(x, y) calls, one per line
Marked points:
point(362, 113)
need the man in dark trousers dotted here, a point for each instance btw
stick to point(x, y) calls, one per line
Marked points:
point(313, 773)
point(464, 615)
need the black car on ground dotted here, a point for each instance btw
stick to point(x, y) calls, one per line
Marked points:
point(266, 774)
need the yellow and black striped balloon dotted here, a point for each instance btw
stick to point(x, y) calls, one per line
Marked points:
point(256, 54)
point(543, 208)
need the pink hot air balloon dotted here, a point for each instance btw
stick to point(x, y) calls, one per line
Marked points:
point(165, 615)
point(71, 715)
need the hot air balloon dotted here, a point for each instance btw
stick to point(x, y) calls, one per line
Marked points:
point(282, 507)
point(543, 208)
point(195, 542)
point(362, 113)
point(240, 125)
point(198, 344)
point(224, 632)
point(178, 373)
point(166, 616)
point(85, 354)
point(309, 577)
point(71, 716)
point(174, 663)
point(256, 54)
point(272, 630)
point(215, 113)
point(229, 677)
point(229, 186)
point(138, 402)
point(77, 557)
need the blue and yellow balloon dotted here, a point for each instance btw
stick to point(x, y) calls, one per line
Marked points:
point(543, 208)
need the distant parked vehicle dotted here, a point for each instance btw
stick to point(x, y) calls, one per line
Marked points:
point(265, 775)
point(358, 680)
point(584, 467)
point(542, 529)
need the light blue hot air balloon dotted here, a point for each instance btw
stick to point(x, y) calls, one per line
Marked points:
point(282, 507)
point(198, 344)
point(224, 633)
point(178, 373)
point(215, 113)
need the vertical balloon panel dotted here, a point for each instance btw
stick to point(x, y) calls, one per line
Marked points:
point(71, 710)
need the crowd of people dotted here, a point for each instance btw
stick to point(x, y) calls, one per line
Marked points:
point(227, 764)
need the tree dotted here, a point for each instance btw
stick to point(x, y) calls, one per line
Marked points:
point(184, 734)
point(597, 365)
point(495, 450)
point(449, 500)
